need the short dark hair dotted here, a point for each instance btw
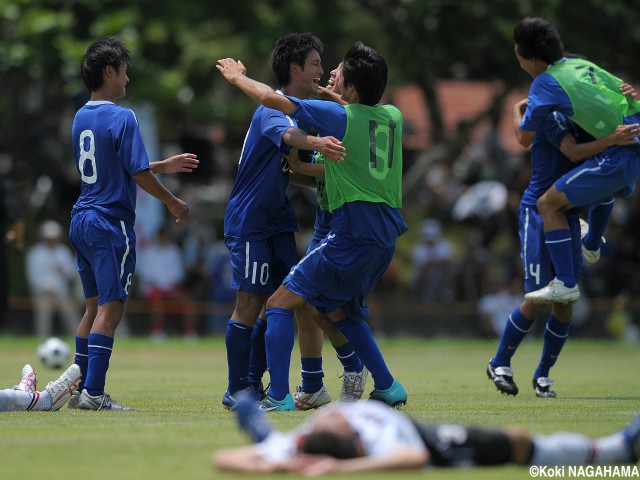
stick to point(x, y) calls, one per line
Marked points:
point(536, 38)
point(331, 444)
point(100, 54)
point(292, 48)
point(366, 70)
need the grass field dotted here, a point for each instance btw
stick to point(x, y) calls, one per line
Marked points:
point(177, 386)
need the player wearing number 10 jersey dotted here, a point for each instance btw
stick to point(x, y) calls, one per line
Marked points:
point(111, 159)
point(364, 193)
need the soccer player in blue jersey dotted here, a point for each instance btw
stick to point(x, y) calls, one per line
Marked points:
point(554, 150)
point(259, 221)
point(590, 97)
point(364, 193)
point(111, 160)
point(312, 393)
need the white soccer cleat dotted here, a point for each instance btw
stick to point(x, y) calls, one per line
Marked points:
point(589, 256)
point(64, 387)
point(353, 385)
point(101, 402)
point(542, 387)
point(29, 381)
point(307, 401)
point(555, 292)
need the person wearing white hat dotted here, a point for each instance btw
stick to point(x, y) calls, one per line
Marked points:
point(50, 272)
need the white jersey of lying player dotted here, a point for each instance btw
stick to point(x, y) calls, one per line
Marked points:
point(381, 430)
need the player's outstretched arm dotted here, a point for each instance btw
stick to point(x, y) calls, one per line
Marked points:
point(242, 459)
point(150, 184)
point(234, 72)
point(329, 147)
point(183, 163)
point(403, 458)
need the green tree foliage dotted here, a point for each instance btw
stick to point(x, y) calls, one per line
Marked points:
point(175, 45)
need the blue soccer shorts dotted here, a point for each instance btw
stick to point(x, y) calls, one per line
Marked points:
point(339, 273)
point(259, 266)
point(105, 255)
point(601, 176)
point(537, 264)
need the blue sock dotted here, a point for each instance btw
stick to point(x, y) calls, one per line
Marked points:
point(258, 358)
point(81, 358)
point(311, 374)
point(348, 358)
point(238, 341)
point(555, 334)
point(279, 340)
point(365, 346)
point(515, 330)
point(559, 245)
point(598, 220)
point(99, 348)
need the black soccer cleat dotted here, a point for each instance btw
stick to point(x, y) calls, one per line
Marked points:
point(502, 377)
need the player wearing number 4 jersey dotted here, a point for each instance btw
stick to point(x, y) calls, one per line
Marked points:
point(364, 193)
point(111, 159)
point(590, 97)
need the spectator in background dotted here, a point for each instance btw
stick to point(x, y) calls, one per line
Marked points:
point(11, 231)
point(471, 268)
point(161, 272)
point(51, 272)
point(432, 258)
point(497, 303)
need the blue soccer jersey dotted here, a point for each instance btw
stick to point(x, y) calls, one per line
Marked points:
point(258, 206)
point(366, 222)
point(109, 150)
point(547, 162)
point(545, 96)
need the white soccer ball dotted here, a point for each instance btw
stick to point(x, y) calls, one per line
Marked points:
point(54, 353)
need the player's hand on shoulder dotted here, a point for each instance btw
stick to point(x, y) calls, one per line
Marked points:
point(179, 209)
point(331, 148)
point(626, 134)
point(627, 89)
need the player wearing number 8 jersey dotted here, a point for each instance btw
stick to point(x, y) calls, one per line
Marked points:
point(364, 193)
point(111, 159)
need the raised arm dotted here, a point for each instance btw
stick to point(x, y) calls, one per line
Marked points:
point(234, 72)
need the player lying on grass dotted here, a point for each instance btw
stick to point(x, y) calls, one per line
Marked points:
point(26, 397)
point(368, 436)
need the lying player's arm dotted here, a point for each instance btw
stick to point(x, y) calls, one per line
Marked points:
point(524, 137)
point(403, 458)
point(150, 184)
point(576, 152)
point(183, 163)
point(244, 459)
